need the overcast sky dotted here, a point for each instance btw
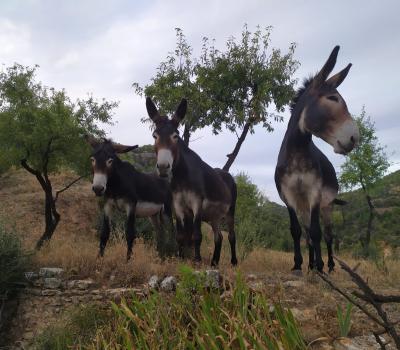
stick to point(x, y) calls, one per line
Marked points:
point(101, 47)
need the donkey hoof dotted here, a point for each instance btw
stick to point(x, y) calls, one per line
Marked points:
point(214, 263)
point(297, 272)
point(234, 261)
point(331, 269)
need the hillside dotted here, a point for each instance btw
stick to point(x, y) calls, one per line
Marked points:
point(351, 220)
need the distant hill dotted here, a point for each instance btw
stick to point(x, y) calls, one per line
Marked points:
point(351, 220)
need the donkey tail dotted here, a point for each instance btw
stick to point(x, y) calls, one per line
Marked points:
point(339, 202)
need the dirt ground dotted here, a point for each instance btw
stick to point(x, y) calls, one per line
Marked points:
point(74, 248)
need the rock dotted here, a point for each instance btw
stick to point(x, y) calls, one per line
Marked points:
point(168, 284)
point(293, 284)
point(80, 284)
point(251, 277)
point(51, 283)
point(50, 272)
point(213, 279)
point(154, 282)
point(365, 342)
point(49, 292)
point(256, 286)
point(303, 315)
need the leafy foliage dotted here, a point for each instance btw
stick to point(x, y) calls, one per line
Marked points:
point(259, 222)
point(364, 167)
point(344, 319)
point(13, 262)
point(176, 77)
point(368, 162)
point(43, 126)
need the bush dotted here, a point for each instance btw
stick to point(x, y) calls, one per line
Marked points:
point(13, 263)
point(75, 331)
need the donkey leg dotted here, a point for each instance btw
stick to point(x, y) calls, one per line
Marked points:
point(130, 231)
point(180, 237)
point(315, 235)
point(295, 230)
point(217, 243)
point(197, 237)
point(326, 214)
point(311, 251)
point(105, 227)
point(230, 220)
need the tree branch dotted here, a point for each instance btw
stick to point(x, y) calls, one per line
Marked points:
point(68, 186)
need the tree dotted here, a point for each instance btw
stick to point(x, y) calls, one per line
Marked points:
point(233, 89)
point(176, 78)
point(364, 166)
point(41, 130)
point(243, 82)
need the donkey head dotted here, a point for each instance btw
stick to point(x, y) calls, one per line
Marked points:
point(104, 156)
point(325, 112)
point(166, 136)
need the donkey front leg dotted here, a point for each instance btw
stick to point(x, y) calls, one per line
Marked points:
point(326, 214)
point(130, 229)
point(105, 227)
point(217, 243)
point(295, 230)
point(315, 236)
point(197, 237)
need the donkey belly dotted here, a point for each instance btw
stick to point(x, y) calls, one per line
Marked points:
point(213, 210)
point(301, 191)
point(144, 209)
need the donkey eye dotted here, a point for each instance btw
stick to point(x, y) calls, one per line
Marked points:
point(155, 136)
point(93, 160)
point(109, 162)
point(333, 98)
point(175, 136)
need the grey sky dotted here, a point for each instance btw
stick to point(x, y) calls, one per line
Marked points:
point(101, 47)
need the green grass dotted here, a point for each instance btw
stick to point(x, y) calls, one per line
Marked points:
point(344, 319)
point(199, 318)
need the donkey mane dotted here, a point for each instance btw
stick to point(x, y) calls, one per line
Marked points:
point(300, 91)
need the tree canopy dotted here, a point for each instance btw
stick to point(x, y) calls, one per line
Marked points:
point(41, 130)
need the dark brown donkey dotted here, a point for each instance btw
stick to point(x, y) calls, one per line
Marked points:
point(136, 193)
point(305, 178)
point(199, 192)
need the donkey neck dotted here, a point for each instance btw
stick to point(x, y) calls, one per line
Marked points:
point(295, 136)
point(180, 167)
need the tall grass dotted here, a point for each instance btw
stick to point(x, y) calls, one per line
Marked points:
point(201, 318)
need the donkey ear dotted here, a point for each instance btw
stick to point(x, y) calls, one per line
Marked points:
point(327, 68)
point(180, 111)
point(92, 141)
point(338, 78)
point(152, 110)
point(118, 148)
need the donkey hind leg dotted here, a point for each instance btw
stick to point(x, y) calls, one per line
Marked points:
point(184, 230)
point(230, 221)
point(326, 214)
point(130, 231)
point(295, 230)
point(315, 235)
point(160, 236)
point(105, 227)
point(217, 243)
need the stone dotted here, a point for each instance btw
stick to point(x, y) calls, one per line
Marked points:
point(251, 277)
point(168, 284)
point(51, 283)
point(365, 342)
point(80, 284)
point(49, 292)
point(50, 272)
point(293, 284)
point(213, 279)
point(154, 282)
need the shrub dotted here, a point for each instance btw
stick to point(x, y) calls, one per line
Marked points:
point(75, 331)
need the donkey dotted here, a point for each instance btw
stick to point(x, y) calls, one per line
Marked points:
point(138, 194)
point(305, 178)
point(199, 192)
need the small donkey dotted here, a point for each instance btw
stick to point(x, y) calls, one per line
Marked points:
point(139, 194)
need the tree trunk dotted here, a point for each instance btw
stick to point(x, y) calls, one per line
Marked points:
point(371, 207)
point(186, 135)
point(52, 217)
point(232, 156)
